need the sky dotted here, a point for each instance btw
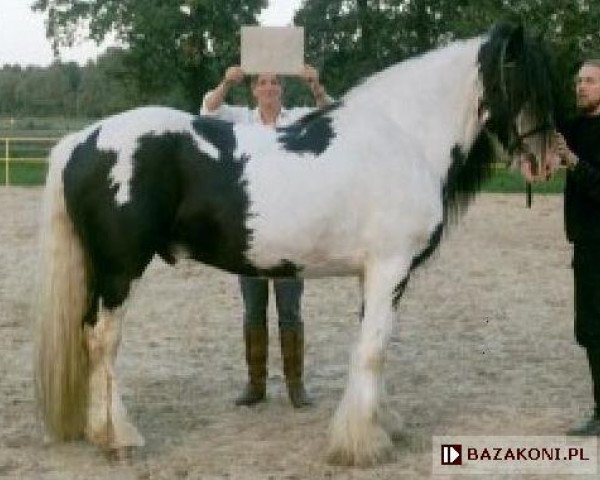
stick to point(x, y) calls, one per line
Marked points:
point(23, 34)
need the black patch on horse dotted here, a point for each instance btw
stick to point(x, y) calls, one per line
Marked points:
point(179, 195)
point(310, 134)
point(212, 214)
point(399, 291)
point(119, 240)
point(434, 240)
point(468, 172)
point(217, 132)
point(284, 269)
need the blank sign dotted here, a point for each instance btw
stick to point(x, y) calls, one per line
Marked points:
point(272, 49)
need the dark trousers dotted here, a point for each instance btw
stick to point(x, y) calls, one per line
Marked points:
point(586, 275)
point(255, 295)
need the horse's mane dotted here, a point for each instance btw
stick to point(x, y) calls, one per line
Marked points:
point(514, 67)
point(534, 81)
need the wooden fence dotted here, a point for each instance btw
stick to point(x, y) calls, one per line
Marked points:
point(24, 150)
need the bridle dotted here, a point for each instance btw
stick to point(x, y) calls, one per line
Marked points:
point(517, 145)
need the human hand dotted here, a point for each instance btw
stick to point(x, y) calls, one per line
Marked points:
point(528, 167)
point(559, 146)
point(234, 75)
point(310, 75)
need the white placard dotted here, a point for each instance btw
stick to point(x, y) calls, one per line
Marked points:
point(272, 49)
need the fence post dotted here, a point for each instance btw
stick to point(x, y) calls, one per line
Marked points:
point(6, 160)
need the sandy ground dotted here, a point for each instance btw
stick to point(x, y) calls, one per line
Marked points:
point(484, 346)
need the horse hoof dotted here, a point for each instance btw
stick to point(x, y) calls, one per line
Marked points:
point(120, 455)
point(391, 422)
point(359, 459)
point(122, 436)
point(372, 448)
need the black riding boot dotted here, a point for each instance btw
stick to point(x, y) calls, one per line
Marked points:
point(292, 351)
point(256, 339)
point(592, 426)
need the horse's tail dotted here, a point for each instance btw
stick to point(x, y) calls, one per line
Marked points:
point(61, 362)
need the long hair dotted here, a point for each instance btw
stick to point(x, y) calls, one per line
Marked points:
point(61, 363)
point(517, 73)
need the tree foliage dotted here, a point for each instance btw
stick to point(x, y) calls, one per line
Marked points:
point(349, 39)
point(97, 89)
point(175, 50)
point(181, 46)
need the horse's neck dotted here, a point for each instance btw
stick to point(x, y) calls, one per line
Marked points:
point(432, 99)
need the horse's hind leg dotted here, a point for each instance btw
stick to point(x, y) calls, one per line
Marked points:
point(361, 427)
point(107, 425)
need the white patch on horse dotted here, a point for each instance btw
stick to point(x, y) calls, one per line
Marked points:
point(303, 207)
point(140, 122)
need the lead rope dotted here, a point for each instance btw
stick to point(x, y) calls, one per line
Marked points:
point(528, 186)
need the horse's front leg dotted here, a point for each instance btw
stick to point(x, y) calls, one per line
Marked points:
point(360, 427)
point(107, 425)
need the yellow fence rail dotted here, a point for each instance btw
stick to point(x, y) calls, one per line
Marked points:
point(10, 158)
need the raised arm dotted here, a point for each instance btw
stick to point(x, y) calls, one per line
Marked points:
point(215, 98)
point(310, 75)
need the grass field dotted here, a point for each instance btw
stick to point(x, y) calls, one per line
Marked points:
point(507, 181)
point(504, 181)
point(22, 171)
point(25, 173)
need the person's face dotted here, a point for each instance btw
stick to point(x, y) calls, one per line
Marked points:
point(587, 89)
point(267, 89)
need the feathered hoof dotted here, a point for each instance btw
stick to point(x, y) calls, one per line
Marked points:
point(115, 438)
point(391, 422)
point(120, 455)
point(372, 447)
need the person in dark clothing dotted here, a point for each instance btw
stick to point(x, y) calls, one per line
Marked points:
point(578, 145)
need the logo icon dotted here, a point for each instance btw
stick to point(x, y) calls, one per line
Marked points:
point(452, 454)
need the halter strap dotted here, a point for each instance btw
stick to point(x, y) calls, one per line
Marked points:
point(517, 143)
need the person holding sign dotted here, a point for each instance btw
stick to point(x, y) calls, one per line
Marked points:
point(267, 91)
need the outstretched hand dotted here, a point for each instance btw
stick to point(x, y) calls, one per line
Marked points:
point(311, 76)
point(234, 75)
point(560, 147)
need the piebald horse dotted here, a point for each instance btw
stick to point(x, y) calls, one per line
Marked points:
point(365, 187)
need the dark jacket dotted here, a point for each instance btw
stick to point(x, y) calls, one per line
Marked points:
point(582, 189)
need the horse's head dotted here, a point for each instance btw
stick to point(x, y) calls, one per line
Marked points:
point(517, 100)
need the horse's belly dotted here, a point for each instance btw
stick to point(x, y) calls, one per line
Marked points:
point(316, 253)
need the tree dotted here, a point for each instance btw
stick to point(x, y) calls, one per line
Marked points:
point(177, 46)
point(349, 39)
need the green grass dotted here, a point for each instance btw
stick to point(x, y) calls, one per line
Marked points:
point(503, 181)
point(21, 173)
point(508, 181)
point(27, 173)
point(24, 174)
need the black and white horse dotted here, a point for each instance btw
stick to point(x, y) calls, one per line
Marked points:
point(365, 187)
